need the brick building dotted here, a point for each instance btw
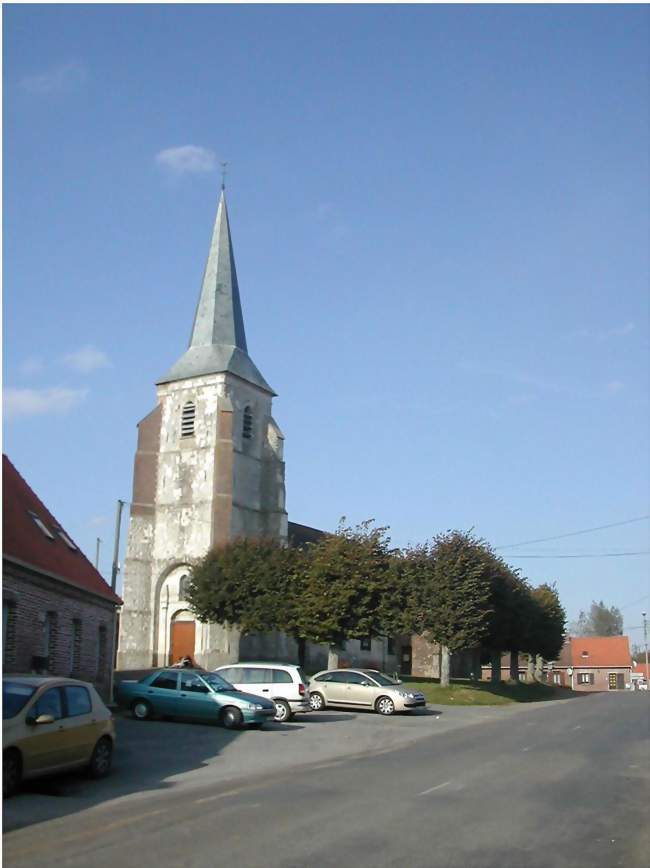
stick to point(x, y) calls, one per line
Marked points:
point(58, 613)
point(593, 663)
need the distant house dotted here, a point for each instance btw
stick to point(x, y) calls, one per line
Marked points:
point(58, 613)
point(639, 673)
point(593, 663)
point(522, 668)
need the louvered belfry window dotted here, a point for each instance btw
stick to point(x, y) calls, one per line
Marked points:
point(187, 420)
point(247, 427)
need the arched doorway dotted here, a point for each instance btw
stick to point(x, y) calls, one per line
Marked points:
point(182, 636)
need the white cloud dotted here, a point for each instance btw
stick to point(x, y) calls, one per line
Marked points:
point(603, 334)
point(187, 158)
point(86, 359)
point(97, 521)
point(40, 402)
point(32, 365)
point(58, 78)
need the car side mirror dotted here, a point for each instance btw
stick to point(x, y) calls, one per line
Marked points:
point(32, 720)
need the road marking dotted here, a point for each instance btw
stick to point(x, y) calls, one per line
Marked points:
point(525, 749)
point(577, 727)
point(218, 796)
point(88, 833)
point(432, 789)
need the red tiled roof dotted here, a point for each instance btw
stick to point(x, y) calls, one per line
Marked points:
point(23, 540)
point(640, 668)
point(601, 651)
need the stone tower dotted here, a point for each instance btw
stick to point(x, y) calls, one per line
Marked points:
point(208, 468)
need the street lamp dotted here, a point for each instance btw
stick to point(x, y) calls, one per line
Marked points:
point(645, 643)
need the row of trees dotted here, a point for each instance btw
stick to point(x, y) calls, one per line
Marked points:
point(455, 590)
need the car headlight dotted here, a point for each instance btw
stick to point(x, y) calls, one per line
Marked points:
point(406, 695)
point(256, 707)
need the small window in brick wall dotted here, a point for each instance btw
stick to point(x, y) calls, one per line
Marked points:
point(247, 426)
point(75, 646)
point(366, 644)
point(390, 646)
point(8, 631)
point(49, 636)
point(187, 420)
point(101, 652)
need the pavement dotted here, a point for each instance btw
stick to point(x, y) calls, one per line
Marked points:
point(544, 785)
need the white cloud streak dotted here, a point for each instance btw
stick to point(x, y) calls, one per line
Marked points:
point(59, 78)
point(620, 331)
point(86, 359)
point(40, 402)
point(187, 159)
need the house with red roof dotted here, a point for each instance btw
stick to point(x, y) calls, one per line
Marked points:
point(58, 613)
point(593, 663)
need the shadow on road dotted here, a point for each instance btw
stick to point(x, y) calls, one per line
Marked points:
point(148, 755)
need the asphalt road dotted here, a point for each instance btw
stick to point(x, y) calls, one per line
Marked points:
point(559, 786)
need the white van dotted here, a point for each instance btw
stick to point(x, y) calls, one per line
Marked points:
point(284, 683)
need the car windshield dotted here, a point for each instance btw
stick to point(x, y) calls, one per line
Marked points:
point(382, 679)
point(14, 697)
point(216, 682)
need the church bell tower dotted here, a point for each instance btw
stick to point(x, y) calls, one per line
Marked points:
point(208, 468)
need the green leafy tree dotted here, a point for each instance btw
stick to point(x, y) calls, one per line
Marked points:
point(345, 586)
point(449, 593)
point(600, 620)
point(243, 584)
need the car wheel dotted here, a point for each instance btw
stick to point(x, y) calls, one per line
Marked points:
point(385, 705)
point(282, 711)
point(231, 718)
point(102, 758)
point(141, 709)
point(316, 702)
point(11, 773)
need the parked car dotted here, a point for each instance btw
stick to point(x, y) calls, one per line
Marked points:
point(362, 688)
point(192, 694)
point(284, 683)
point(51, 725)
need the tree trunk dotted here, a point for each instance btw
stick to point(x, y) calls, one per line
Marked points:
point(444, 666)
point(332, 657)
point(476, 673)
point(495, 662)
point(539, 667)
point(302, 650)
point(514, 665)
point(530, 673)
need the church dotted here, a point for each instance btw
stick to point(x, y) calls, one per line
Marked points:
point(209, 468)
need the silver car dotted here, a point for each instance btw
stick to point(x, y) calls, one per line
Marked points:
point(362, 688)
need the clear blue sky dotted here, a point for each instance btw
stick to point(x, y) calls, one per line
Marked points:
point(440, 220)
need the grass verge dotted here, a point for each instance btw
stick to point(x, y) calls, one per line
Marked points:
point(462, 692)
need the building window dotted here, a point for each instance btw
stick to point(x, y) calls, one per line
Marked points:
point(101, 652)
point(366, 644)
point(40, 524)
point(183, 587)
point(584, 654)
point(585, 677)
point(247, 426)
point(557, 678)
point(390, 646)
point(66, 539)
point(8, 631)
point(75, 646)
point(187, 420)
point(49, 635)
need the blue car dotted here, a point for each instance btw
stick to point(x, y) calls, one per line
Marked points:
point(199, 695)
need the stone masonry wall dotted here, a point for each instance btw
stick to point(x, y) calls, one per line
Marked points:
point(34, 600)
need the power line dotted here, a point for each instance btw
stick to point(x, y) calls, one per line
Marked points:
point(608, 555)
point(573, 533)
point(634, 602)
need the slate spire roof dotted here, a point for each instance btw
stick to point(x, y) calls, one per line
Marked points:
point(218, 339)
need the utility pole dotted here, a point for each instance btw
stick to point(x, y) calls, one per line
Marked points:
point(645, 643)
point(99, 542)
point(116, 548)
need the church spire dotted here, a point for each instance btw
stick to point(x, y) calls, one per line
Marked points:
point(218, 339)
point(218, 318)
